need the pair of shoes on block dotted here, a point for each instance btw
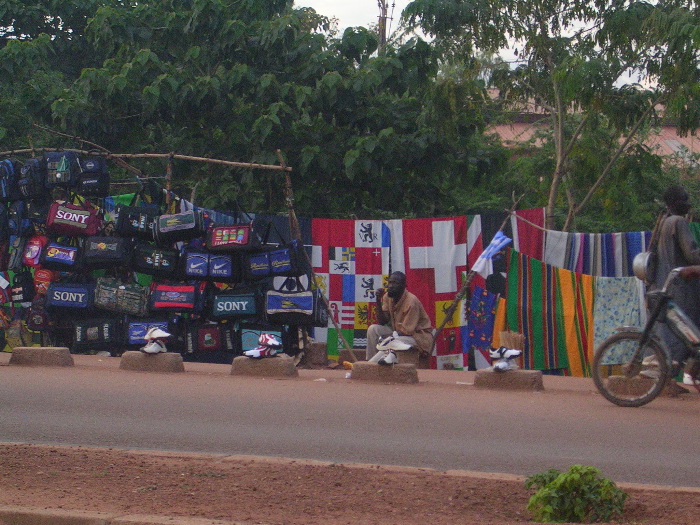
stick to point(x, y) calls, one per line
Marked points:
point(504, 358)
point(155, 341)
point(269, 347)
point(392, 342)
point(154, 347)
point(389, 359)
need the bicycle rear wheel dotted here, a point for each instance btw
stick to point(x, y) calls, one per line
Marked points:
point(620, 375)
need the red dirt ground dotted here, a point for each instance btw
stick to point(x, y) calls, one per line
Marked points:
point(258, 490)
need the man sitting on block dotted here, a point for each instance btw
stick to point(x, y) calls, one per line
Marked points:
point(402, 323)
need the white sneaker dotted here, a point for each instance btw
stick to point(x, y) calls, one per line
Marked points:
point(383, 344)
point(389, 359)
point(154, 332)
point(269, 340)
point(260, 352)
point(154, 347)
point(688, 380)
point(504, 353)
point(396, 344)
point(504, 366)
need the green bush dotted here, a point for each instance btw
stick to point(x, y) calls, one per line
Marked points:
point(576, 496)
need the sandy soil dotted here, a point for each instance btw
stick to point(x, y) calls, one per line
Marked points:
point(258, 490)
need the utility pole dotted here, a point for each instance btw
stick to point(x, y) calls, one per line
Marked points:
point(382, 27)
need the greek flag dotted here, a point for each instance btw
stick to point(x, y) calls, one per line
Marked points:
point(484, 264)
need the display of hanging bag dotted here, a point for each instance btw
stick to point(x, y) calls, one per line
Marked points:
point(236, 303)
point(60, 257)
point(93, 180)
point(80, 220)
point(42, 279)
point(136, 220)
point(136, 329)
point(107, 252)
point(170, 228)
point(32, 250)
point(152, 260)
point(177, 296)
point(104, 333)
point(9, 175)
point(240, 237)
point(62, 169)
point(198, 264)
point(212, 337)
point(37, 317)
point(70, 295)
point(301, 307)
point(115, 295)
point(22, 290)
point(32, 181)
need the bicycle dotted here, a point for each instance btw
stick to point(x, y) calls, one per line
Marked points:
point(631, 367)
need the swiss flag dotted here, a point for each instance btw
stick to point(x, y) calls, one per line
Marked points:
point(435, 255)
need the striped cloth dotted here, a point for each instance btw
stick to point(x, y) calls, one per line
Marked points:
point(598, 254)
point(534, 309)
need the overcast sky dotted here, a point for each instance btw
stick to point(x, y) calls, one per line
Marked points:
point(354, 12)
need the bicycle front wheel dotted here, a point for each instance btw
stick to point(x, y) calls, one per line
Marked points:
point(626, 374)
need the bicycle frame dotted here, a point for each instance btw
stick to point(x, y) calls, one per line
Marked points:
point(665, 309)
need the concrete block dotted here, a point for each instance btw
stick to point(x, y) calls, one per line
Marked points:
point(509, 380)
point(345, 355)
point(398, 373)
point(142, 362)
point(280, 366)
point(41, 356)
point(316, 354)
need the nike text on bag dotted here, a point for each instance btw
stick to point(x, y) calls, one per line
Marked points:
point(296, 308)
point(79, 296)
point(232, 238)
point(96, 334)
point(195, 265)
point(72, 219)
point(224, 268)
point(60, 257)
point(62, 169)
point(210, 266)
point(152, 260)
point(176, 297)
point(116, 296)
point(178, 226)
point(107, 252)
point(93, 180)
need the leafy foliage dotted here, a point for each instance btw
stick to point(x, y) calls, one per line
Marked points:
point(367, 135)
point(573, 56)
point(576, 496)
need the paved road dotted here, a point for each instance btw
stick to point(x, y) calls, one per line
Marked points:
point(444, 422)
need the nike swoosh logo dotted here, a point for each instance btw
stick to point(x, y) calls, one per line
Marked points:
point(219, 266)
point(196, 265)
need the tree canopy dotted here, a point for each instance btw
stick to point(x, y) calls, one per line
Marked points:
point(396, 133)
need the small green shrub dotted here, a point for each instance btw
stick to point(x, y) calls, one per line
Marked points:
point(576, 496)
